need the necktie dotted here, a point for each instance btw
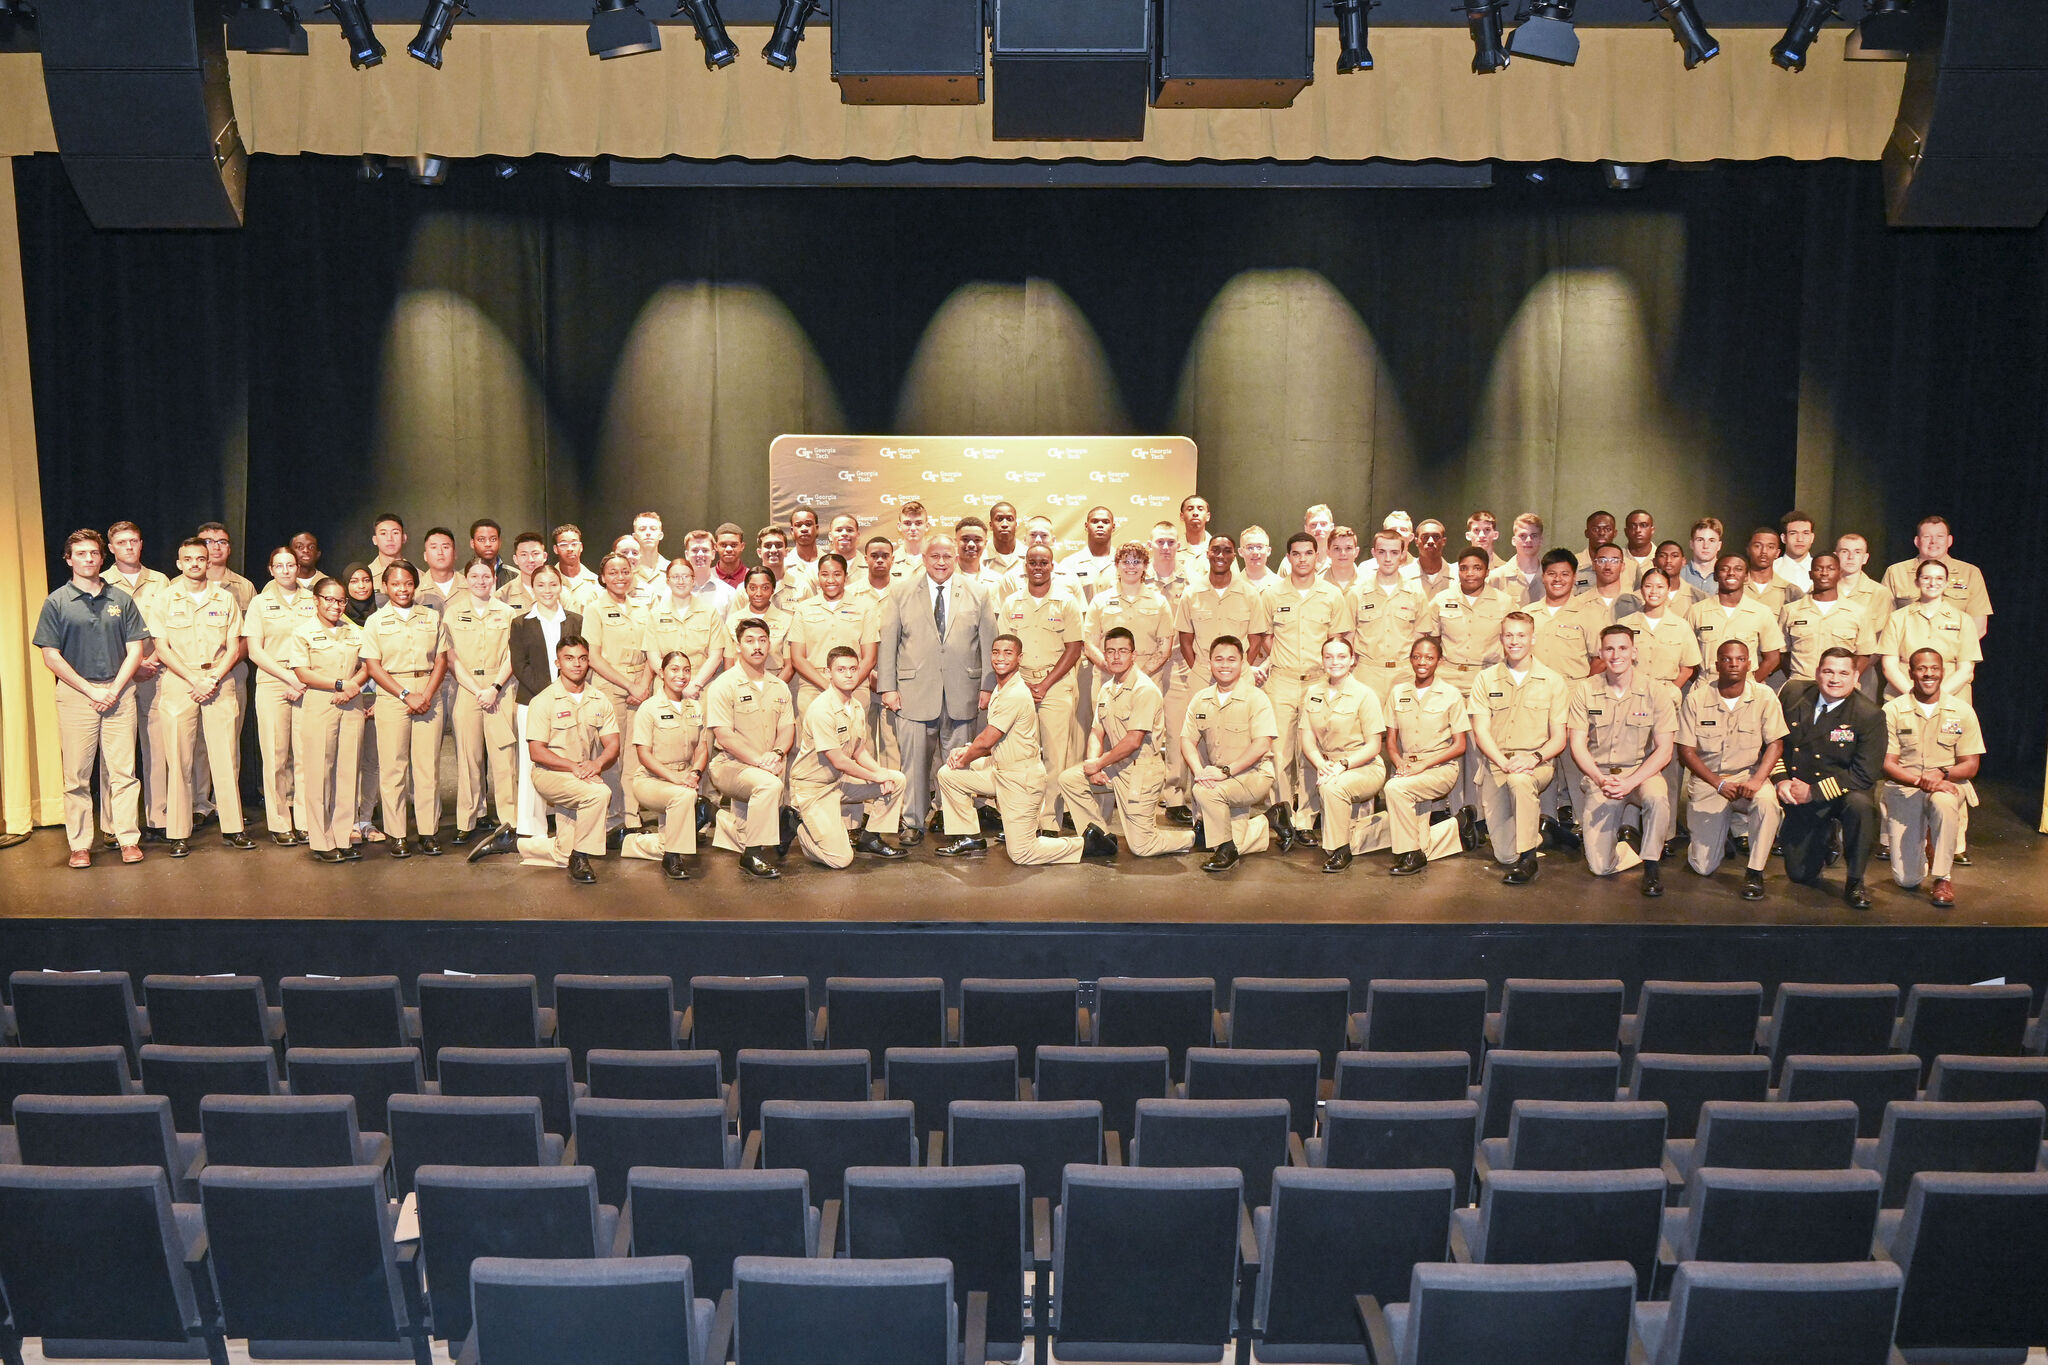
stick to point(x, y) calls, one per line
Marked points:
point(1821, 713)
point(939, 610)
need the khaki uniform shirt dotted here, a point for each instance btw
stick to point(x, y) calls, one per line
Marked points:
point(1468, 627)
point(1729, 741)
point(1714, 625)
point(1301, 623)
point(792, 588)
point(1082, 572)
point(198, 629)
point(480, 637)
point(1965, 586)
point(692, 624)
point(1811, 627)
point(1868, 596)
point(242, 588)
point(1342, 716)
point(1521, 717)
point(669, 729)
point(1384, 624)
point(1623, 731)
point(757, 710)
point(829, 724)
point(580, 589)
point(571, 724)
point(407, 642)
point(617, 633)
point(1207, 613)
point(779, 622)
point(1133, 704)
point(1046, 625)
point(1602, 612)
point(1942, 628)
point(1936, 741)
point(1519, 590)
point(820, 626)
point(905, 564)
point(330, 653)
point(1427, 585)
point(1681, 598)
point(1664, 648)
point(437, 595)
point(1223, 730)
point(1776, 594)
point(1011, 710)
point(1425, 720)
point(1000, 564)
point(1566, 639)
point(147, 585)
point(1148, 617)
point(268, 621)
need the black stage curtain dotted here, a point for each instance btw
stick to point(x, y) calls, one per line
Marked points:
point(1730, 339)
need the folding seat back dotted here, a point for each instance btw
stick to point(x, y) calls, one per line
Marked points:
point(103, 1130)
point(472, 1211)
point(1776, 1314)
point(1239, 1073)
point(346, 1012)
point(796, 1074)
point(1683, 1082)
point(1403, 1076)
point(1563, 1135)
point(617, 1074)
point(1956, 1080)
point(1425, 1016)
point(614, 1136)
point(1331, 1235)
point(1829, 1020)
point(1543, 1015)
point(1512, 1074)
point(931, 1078)
point(1992, 1136)
point(1174, 1012)
point(797, 1312)
point(1024, 1013)
point(369, 1076)
point(1871, 1082)
point(1275, 1012)
point(1778, 1216)
point(1817, 1136)
point(1117, 1076)
point(448, 1130)
point(480, 1011)
point(1552, 1217)
point(1695, 1018)
point(972, 1216)
point(542, 1072)
point(77, 1009)
point(713, 1217)
point(728, 1013)
point(1375, 1135)
point(624, 1012)
point(60, 1071)
point(282, 1130)
point(1975, 1021)
point(1537, 1314)
point(571, 1312)
point(1042, 1138)
point(876, 1013)
point(1145, 1262)
point(210, 1011)
point(187, 1075)
point(1247, 1135)
point(824, 1137)
point(1972, 1246)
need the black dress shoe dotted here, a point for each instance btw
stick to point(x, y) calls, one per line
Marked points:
point(1181, 816)
point(1523, 871)
point(789, 823)
point(990, 821)
point(1201, 838)
point(1653, 880)
point(1752, 885)
point(1067, 830)
point(283, 838)
point(1408, 864)
point(401, 848)
point(1550, 831)
point(911, 835)
point(1858, 898)
point(1961, 860)
point(212, 817)
point(1098, 845)
point(154, 834)
point(580, 870)
point(1468, 833)
point(707, 815)
point(936, 821)
point(429, 846)
point(875, 846)
point(1280, 819)
point(615, 839)
point(328, 855)
point(110, 842)
point(1338, 860)
point(503, 839)
point(180, 848)
point(964, 846)
point(672, 867)
point(462, 836)
point(1225, 858)
point(238, 840)
point(351, 854)
point(754, 865)
point(1631, 836)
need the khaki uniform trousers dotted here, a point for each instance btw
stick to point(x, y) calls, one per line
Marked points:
point(1381, 677)
point(1133, 793)
point(823, 835)
point(1019, 796)
point(533, 812)
point(149, 759)
point(678, 806)
point(409, 764)
point(181, 720)
point(1177, 690)
point(485, 740)
point(329, 745)
point(1708, 844)
point(368, 784)
point(1914, 820)
point(1060, 740)
point(86, 738)
point(282, 809)
point(586, 800)
point(1511, 804)
point(1289, 784)
point(760, 791)
point(1408, 801)
point(1341, 793)
point(618, 779)
point(1225, 809)
point(1468, 790)
point(1600, 823)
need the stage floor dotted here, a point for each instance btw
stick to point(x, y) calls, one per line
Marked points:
point(2006, 888)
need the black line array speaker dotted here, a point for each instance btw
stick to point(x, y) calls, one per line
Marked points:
point(1234, 54)
point(1970, 148)
point(139, 97)
point(1072, 70)
point(908, 51)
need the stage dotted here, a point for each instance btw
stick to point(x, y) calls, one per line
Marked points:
point(274, 912)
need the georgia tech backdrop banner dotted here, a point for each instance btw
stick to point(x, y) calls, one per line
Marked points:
point(1141, 478)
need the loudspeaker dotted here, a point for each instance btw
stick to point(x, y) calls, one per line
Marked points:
point(1234, 54)
point(1970, 147)
point(1072, 70)
point(908, 51)
point(139, 98)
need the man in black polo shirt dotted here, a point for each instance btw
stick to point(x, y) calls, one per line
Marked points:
point(91, 635)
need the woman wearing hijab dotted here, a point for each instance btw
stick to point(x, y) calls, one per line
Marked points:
point(361, 581)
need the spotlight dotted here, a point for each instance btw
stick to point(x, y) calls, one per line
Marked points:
point(1687, 30)
point(435, 25)
point(422, 169)
point(1352, 53)
point(1625, 175)
point(363, 48)
point(15, 16)
point(1483, 17)
point(504, 168)
point(619, 29)
point(266, 26)
point(789, 31)
point(1547, 34)
point(1891, 31)
point(583, 172)
point(718, 46)
point(370, 169)
point(1790, 50)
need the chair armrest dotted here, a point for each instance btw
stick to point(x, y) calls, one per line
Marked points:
point(467, 1355)
point(196, 1250)
point(407, 1254)
point(1631, 1025)
point(1354, 1031)
point(1667, 1255)
point(750, 1155)
point(1379, 1342)
point(1297, 1155)
point(1247, 1240)
point(198, 1165)
point(720, 1346)
point(1492, 1032)
point(569, 1151)
point(818, 1027)
point(687, 1028)
point(952, 1026)
point(675, 1024)
point(409, 1021)
point(1482, 1165)
point(375, 1151)
point(1763, 1032)
point(1041, 1233)
point(1084, 1024)
point(1113, 1147)
point(273, 1023)
point(1219, 1027)
point(828, 1230)
point(544, 1025)
point(1673, 1179)
point(1461, 1250)
point(934, 1148)
point(977, 1328)
point(1897, 1357)
point(878, 1089)
point(622, 1239)
point(1638, 1352)
point(1027, 1089)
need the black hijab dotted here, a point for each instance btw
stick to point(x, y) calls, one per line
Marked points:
point(358, 612)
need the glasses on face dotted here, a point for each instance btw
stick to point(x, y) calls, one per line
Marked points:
point(212, 540)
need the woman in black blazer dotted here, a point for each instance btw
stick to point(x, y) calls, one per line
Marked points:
point(533, 669)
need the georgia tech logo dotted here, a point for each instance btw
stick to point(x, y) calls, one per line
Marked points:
point(816, 499)
point(1066, 452)
point(859, 475)
point(1149, 453)
point(815, 452)
point(940, 476)
point(1107, 476)
point(1065, 499)
point(1150, 499)
point(1023, 475)
point(980, 499)
point(891, 499)
point(982, 453)
point(898, 452)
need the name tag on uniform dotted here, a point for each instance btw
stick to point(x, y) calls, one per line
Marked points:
point(1495, 696)
point(1708, 724)
point(1593, 711)
point(1201, 715)
point(565, 714)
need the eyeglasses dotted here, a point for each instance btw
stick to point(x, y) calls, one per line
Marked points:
point(213, 540)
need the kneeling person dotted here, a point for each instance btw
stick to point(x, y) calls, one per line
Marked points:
point(833, 765)
point(572, 736)
point(1933, 746)
point(1341, 725)
point(1730, 737)
point(1227, 741)
point(1124, 765)
point(1517, 709)
point(1426, 736)
point(753, 723)
point(674, 749)
point(1003, 762)
point(1622, 726)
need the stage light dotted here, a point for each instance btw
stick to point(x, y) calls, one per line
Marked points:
point(1687, 30)
point(370, 169)
point(1352, 53)
point(789, 31)
point(504, 168)
point(1625, 175)
point(719, 49)
point(1790, 50)
point(1483, 18)
point(1547, 34)
point(1890, 31)
point(15, 16)
point(619, 29)
point(435, 26)
point(266, 26)
point(583, 172)
point(363, 48)
point(422, 169)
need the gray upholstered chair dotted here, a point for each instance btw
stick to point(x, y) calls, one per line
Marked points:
point(1145, 1262)
point(1249, 1136)
point(614, 1136)
point(576, 1312)
point(1551, 1217)
point(1042, 1137)
point(636, 1013)
point(455, 1130)
point(714, 1217)
point(799, 1312)
point(471, 1211)
point(1773, 1314)
point(369, 1076)
point(288, 1130)
point(971, 1216)
point(347, 1012)
point(1532, 1314)
point(1382, 1135)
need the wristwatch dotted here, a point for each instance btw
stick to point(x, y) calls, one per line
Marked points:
point(337, 684)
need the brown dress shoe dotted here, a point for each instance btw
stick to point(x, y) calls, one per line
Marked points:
point(131, 853)
point(81, 857)
point(1944, 893)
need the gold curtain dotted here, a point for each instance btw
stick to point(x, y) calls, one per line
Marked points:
point(31, 785)
point(516, 90)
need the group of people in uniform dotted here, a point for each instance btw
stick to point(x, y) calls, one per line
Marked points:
point(847, 692)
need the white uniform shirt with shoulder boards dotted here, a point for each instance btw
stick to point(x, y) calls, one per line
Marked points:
point(1425, 720)
point(830, 724)
point(755, 708)
point(571, 724)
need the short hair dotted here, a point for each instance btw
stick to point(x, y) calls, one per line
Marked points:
point(1473, 552)
point(1034, 520)
point(433, 531)
point(1522, 616)
point(1742, 645)
point(1836, 652)
point(767, 531)
point(965, 522)
point(528, 538)
point(671, 657)
point(570, 640)
point(604, 565)
point(1316, 507)
point(838, 517)
point(1819, 555)
point(761, 569)
point(391, 517)
point(1481, 515)
point(801, 512)
point(838, 652)
point(1129, 548)
point(1603, 545)
point(120, 526)
point(1301, 538)
point(747, 623)
point(727, 528)
point(1708, 524)
point(403, 566)
point(1231, 640)
point(1192, 497)
point(191, 542)
point(1794, 515)
point(1340, 532)
point(568, 528)
point(1934, 519)
point(550, 570)
point(1770, 531)
point(655, 517)
point(1099, 507)
point(1119, 633)
point(1430, 640)
point(206, 526)
point(909, 505)
point(1912, 658)
point(1531, 520)
point(873, 541)
point(1251, 530)
point(479, 525)
point(1011, 638)
point(1617, 629)
point(1662, 543)
point(835, 557)
point(1923, 564)
point(1384, 533)
point(1004, 503)
point(1601, 512)
point(1426, 521)
point(1856, 536)
point(1559, 556)
point(1635, 512)
point(1726, 555)
point(1653, 569)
